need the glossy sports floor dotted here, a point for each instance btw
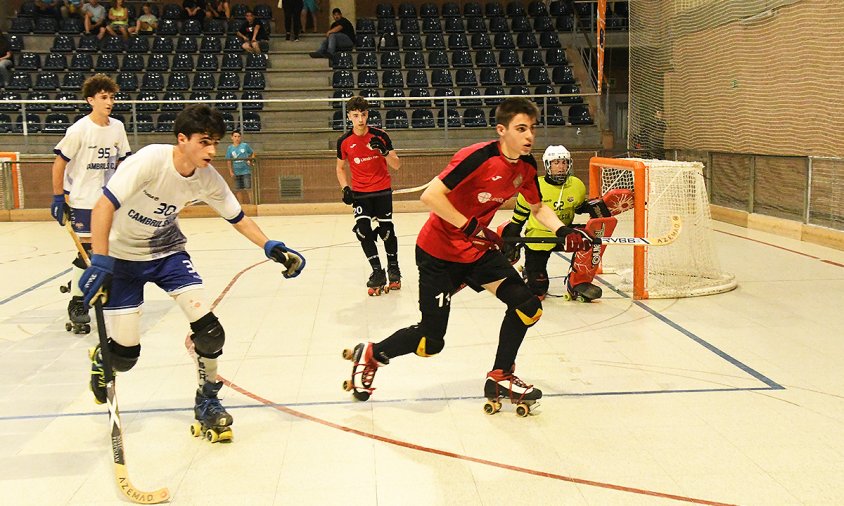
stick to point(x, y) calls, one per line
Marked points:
point(733, 398)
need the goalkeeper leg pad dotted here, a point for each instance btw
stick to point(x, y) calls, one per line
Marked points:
point(208, 336)
point(585, 264)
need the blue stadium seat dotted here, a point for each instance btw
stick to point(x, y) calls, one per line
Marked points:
point(457, 41)
point(228, 81)
point(232, 61)
point(475, 25)
point(465, 77)
point(374, 118)
point(493, 9)
point(211, 44)
point(226, 106)
point(444, 92)
point(73, 81)
point(498, 25)
point(453, 118)
point(527, 40)
point(165, 122)
point(420, 93)
point(342, 79)
point(493, 90)
point(474, 118)
point(395, 93)
point(422, 118)
point(175, 101)
point(485, 58)
point(434, 41)
point(508, 58)
point(390, 60)
point(579, 115)
point(366, 60)
point(396, 119)
point(365, 26)
point(182, 61)
point(133, 62)
point(570, 89)
point(106, 62)
point(251, 121)
point(19, 81)
point(413, 60)
point(532, 58)
point(538, 75)
point(461, 58)
point(520, 24)
point(128, 81)
point(392, 79)
point(253, 100)
point(208, 62)
point(46, 81)
point(367, 79)
point(454, 25)
point(409, 25)
point(340, 122)
point(469, 92)
point(203, 81)
point(162, 45)
point(55, 61)
point(514, 76)
point(187, 44)
point(159, 62)
point(437, 59)
point(28, 61)
point(152, 81)
point(515, 8)
point(503, 41)
point(67, 97)
point(562, 75)
point(490, 77)
point(41, 106)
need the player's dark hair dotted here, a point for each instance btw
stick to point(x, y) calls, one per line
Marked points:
point(336, 11)
point(200, 119)
point(97, 83)
point(357, 103)
point(512, 107)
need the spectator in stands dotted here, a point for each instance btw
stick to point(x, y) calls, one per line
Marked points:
point(194, 9)
point(146, 23)
point(47, 8)
point(95, 17)
point(292, 12)
point(6, 60)
point(240, 158)
point(71, 8)
point(219, 9)
point(309, 6)
point(251, 33)
point(339, 37)
point(119, 20)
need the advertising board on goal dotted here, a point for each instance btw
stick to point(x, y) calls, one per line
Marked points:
point(662, 190)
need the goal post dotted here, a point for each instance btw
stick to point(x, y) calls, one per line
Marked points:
point(662, 189)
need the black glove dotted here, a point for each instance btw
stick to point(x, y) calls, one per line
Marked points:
point(511, 250)
point(348, 197)
point(377, 143)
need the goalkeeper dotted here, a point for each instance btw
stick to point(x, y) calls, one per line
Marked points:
point(565, 194)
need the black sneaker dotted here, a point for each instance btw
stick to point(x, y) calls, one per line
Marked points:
point(287, 37)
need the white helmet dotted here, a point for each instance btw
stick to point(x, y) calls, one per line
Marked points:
point(557, 153)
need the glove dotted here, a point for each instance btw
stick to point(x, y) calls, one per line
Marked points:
point(292, 259)
point(481, 238)
point(348, 197)
point(96, 280)
point(59, 209)
point(377, 143)
point(577, 239)
point(511, 250)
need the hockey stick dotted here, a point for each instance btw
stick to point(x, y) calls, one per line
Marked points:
point(121, 473)
point(668, 238)
point(393, 192)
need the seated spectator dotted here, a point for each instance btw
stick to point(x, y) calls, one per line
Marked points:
point(195, 9)
point(119, 17)
point(95, 18)
point(47, 8)
point(252, 33)
point(146, 23)
point(71, 8)
point(6, 60)
point(219, 9)
point(339, 37)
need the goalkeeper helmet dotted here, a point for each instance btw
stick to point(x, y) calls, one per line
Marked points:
point(558, 174)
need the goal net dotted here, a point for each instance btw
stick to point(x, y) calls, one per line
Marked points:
point(687, 267)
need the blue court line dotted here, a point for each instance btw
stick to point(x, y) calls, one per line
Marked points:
point(772, 385)
point(33, 287)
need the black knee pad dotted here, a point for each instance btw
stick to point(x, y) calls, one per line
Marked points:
point(537, 282)
point(385, 230)
point(520, 301)
point(430, 343)
point(79, 261)
point(363, 230)
point(124, 358)
point(208, 336)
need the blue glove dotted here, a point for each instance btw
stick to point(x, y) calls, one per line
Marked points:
point(278, 252)
point(96, 280)
point(59, 209)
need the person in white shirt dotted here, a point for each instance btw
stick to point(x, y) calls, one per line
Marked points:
point(136, 240)
point(86, 158)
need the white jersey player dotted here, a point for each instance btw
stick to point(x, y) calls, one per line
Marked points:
point(136, 240)
point(86, 158)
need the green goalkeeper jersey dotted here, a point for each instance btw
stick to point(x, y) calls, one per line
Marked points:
point(562, 199)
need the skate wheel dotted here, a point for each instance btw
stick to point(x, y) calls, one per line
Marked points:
point(522, 410)
point(64, 288)
point(195, 429)
point(86, 329)
point(567, 296)
point(68, 326)
point(347, 385)
point(348, 354)
point(492, 407)
point(361, 395)
point(212, 436)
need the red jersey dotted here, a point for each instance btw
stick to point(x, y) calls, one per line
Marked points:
point(481, 179)
point(369, 168)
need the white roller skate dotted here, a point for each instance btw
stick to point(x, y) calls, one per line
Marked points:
point(377, 283)
point(502, 384)
point(212, 420)
point(364, 367)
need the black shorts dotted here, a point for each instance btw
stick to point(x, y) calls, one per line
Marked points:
point(375, 205)
point(438, 277)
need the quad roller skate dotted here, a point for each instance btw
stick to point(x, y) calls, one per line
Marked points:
point(584, 292)
point(377, 283)
point(98, 384)
point(80, 321)
point(502, 384)
point(65, 288)
point(394, 275)
point(364, 367)
point(212, 421)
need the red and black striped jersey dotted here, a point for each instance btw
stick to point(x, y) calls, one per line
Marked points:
point(369, 168)
point(481, 179)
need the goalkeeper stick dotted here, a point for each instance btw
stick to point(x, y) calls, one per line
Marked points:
point(668, 238)
point(121, 473)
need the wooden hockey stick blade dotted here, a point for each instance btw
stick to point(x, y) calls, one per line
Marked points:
point(411, 190)
point(668, 238)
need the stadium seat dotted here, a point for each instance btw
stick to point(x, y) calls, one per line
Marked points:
point(545, 89)
point(366, 60)
point(461, 58)
point(252, 100)
point(490, 77)
point(251, 121)
point(182, 62)
point(422, 118)
point(396, 119)
point(434, 41)
point(162, 45)
point(239, 10)
point(342, 79)
point(208, 62)
point(520, 24)
point(475, 25)
point(228, 81)
point(365, 26)
point(395, 93)
point(465, 77)
point(73, 81)
point(46, 81)
point(387, 27)
point(366, 41)
point(6, 98)
point(498, 25)
point(87, 43)
point(420, 93)
point(226, 106)
point(437, 59)
point(413, 60)
point(474, 118)
point(514, 76)
point(342, 94)
point(371, 95)
point(45, 25)
point(144, 124)
point(33, 123)
point(559, 8)
point(256, 61)
point(549, 39)
point(211, 44)
point(457, 41)
point(538, 75)
point(158, 62)
point(55, 61)
point(429, 10)
point(392, 79)
point(554, 116)
point(564, 24)
point(232, 61)
point(444, 92)
point(508, 58)
point(15, 42)
point(191, 27)
point(562, 75)
point(515, 8)
point(481, 41)
point(20, 81)
point(383, 10)
point(469, 92)
point(374, 118)
point(175, 101)
point(579, 115)
point(555, 57)
point(202, 96)
point(171, 11)
point(40, 106)
point(145, 97)
point(152, 81)
point(178, 81)
point(431, 25)
point(187, 44)
point(340, 122)
point(408, 25)
point(262, 11)
point(167, 27)
point(67, 97)
point(543, 24)
point(106, 62)
point(28, 61)
point(454, 25)
point(112, 45)
point(519, 90)
point(472, 10)
point(485, 58)
point(493, 90)
point(233, 44)
point(441, 78)
point(570, 89)
point(526, 40)
point(254, 80)
point(132, 62)
point(537, 8)
point(493, 9)
point(342, 61)
point(503, 41)
point(165, 122)
point(390, 60)
point(5, 124)
point(407, 10)
point(532, 58)
point(453, 118)
point(367, 79)
point(203, 81)
point(451, 10)
point(215, 27)
point(21, 25)
point(27, 9)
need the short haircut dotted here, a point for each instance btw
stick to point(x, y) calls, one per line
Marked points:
point(97, 83)
point(199, 119)
point(336, 11)
point(512, 107)
point(357, 103)
point(236, 132)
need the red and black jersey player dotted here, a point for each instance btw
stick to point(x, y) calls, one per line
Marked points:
point(369, 151)
point(456, 246)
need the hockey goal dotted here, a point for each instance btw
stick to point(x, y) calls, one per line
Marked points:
point(687, 267)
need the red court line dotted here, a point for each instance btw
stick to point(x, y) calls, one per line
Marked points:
point(831, 262)
point(434, 451)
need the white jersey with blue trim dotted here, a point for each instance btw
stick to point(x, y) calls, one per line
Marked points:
point(148, 193)
point(92, 153)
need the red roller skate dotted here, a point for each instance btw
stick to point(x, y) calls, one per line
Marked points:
point(504, 384)
point(364, 366)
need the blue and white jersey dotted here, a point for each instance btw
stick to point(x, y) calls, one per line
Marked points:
point(92, 153)
point(148, 193)
point(239, 155)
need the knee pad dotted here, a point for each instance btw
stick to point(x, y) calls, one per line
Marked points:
point(363, 230)
point(79, 261)
point(429, 344)
point(208, 336)
point(537, 282)
point(124, 358)
point(385, 230)
point(520, 301)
